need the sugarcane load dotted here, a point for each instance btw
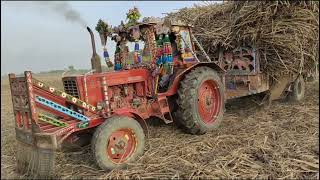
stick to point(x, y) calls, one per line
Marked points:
point(167, 74)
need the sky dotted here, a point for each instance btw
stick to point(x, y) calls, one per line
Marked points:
point(37, 38)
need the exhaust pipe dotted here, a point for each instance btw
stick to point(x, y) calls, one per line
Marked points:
point(92, 42)
point(95, 59)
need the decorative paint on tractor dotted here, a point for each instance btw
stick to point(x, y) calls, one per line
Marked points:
point(106, 97)
point(62, 109)
point(62, 94)
point(51, 120)
point(31, 96)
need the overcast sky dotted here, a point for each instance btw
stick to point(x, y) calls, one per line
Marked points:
point(37, 38)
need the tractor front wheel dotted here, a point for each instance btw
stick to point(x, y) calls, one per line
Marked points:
point(118, 141)
point(200, 101)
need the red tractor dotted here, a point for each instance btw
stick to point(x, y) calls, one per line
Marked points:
point(165, 80)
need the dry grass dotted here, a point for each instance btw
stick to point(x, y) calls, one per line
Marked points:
point(252, 142)
point(284, 32)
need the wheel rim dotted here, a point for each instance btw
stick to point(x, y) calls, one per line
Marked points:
point(121, 145)
point(209, 101)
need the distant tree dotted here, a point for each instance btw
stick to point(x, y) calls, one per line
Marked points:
point(71, 68)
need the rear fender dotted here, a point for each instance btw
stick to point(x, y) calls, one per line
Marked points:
point(133, 114)
point(180, 76)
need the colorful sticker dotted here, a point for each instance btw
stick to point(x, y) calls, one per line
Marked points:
point(83, 125)
point(185, 42)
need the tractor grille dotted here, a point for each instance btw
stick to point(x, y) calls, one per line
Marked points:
point(70, 87)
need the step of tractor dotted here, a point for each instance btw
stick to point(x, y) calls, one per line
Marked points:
point(165, 109)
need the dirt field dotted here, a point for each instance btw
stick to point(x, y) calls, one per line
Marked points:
point(253, 142)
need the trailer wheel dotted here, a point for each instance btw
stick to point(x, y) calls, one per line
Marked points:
point(118, 141)
point(298, 89)
point(201, 101)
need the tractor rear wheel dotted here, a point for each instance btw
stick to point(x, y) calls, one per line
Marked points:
point(298, 89)
point(200, 101)
point(118, 141)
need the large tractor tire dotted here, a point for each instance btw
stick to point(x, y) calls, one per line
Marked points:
point(118, 141)
point(298, 90)
point(200, 101)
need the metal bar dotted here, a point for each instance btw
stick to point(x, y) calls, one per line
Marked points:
point(200, 47)
point(51, 120)
point(62, 109)
point(194, 55)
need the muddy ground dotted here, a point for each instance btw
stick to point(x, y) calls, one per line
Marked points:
point(280, 141)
